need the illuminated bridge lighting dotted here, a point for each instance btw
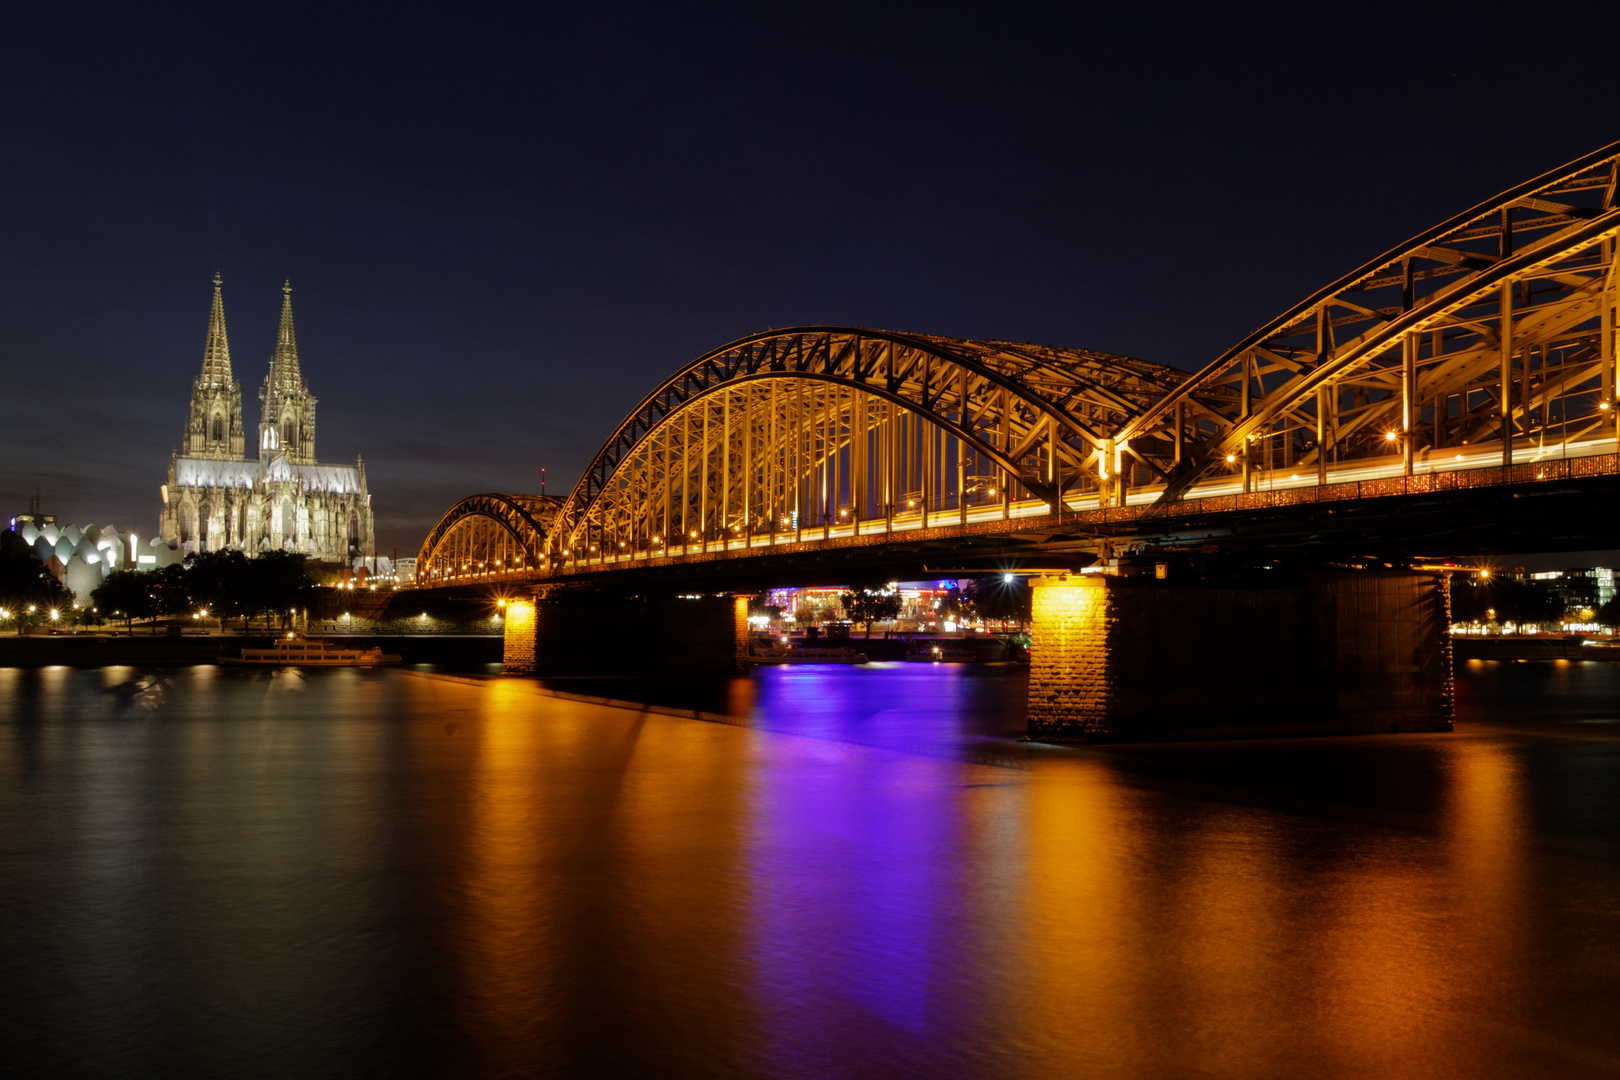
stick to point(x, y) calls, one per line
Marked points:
point(1389, 381)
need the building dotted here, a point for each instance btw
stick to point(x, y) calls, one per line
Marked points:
point(217, 498)
point(1577, 587)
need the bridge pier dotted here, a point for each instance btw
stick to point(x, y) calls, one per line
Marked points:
point(593, 635)
point(1139, 660)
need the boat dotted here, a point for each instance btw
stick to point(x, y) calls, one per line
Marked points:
point(931, 652)
point(295, 650)
point(786, 654)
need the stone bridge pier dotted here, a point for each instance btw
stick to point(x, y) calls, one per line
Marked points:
point(1119, 659)
point(593, 635)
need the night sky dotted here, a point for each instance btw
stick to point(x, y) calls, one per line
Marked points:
point(501, 233)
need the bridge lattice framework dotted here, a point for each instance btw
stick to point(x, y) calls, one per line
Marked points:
point(1484, 345)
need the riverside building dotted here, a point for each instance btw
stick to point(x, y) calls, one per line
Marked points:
point(218, 498)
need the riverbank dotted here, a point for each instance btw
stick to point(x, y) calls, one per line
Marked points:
point(1532, 647)
point(100, 650)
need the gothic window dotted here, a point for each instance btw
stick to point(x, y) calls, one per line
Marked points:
point(286, 519)
point(219, 428)
point(288, 432)
point(203, 514)
point(188, 523)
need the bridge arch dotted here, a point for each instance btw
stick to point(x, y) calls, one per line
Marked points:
point(829, 428)
point(484, 536)
point(1495, 326)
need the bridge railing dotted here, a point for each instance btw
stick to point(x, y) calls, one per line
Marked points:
point(1548, 471)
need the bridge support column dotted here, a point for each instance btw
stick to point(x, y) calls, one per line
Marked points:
point(517, 656)
point(597, 635)
point(1138, 660)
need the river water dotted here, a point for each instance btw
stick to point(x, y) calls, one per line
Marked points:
point(821, 872)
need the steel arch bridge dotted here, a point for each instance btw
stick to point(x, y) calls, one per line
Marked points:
point(486, 536)
point(1480, 351)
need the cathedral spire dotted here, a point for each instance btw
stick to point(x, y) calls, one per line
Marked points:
point(284, 373)
point(216, 368)
point(286, 407)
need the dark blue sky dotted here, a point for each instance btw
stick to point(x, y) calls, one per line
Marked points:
point(502, 232)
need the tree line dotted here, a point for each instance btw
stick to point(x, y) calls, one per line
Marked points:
point(227, 584)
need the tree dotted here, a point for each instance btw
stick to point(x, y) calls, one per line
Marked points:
point(1000, 599)
point(1501, 599)
point(220, 581)
point(277, 582)
point(869, 605)
point(25, 582)
point(955, 606)
point(772, 612)
point(126, 593)
point(169, 588)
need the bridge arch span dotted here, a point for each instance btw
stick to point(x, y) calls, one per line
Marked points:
point(1475, 353)
point(484, 536)
point(829, 428)
point(1495, 326)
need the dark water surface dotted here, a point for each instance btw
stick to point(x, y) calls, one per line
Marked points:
point(346, 873)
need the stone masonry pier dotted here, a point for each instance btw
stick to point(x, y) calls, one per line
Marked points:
point(1138, 660)
point(591, 635)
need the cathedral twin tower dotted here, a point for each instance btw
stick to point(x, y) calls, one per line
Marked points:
point(218, 499)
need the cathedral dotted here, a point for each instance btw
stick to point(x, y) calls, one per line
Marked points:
point(218, 498)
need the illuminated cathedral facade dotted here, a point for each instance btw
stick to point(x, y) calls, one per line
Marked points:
point(218, 498)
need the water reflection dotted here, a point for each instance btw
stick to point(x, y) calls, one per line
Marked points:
point(862, 874)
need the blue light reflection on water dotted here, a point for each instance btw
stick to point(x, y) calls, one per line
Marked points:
point(864, 864)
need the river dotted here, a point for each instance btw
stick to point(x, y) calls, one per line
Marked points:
point(820, 872)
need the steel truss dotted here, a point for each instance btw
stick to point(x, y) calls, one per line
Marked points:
point(1496, 326)
point(1488, 340)
point(821, 431)
point(485, 536)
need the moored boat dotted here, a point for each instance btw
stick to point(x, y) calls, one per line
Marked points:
point(298, 651)
point(930, 652)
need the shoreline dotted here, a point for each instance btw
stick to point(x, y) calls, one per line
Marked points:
point(102, 650)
